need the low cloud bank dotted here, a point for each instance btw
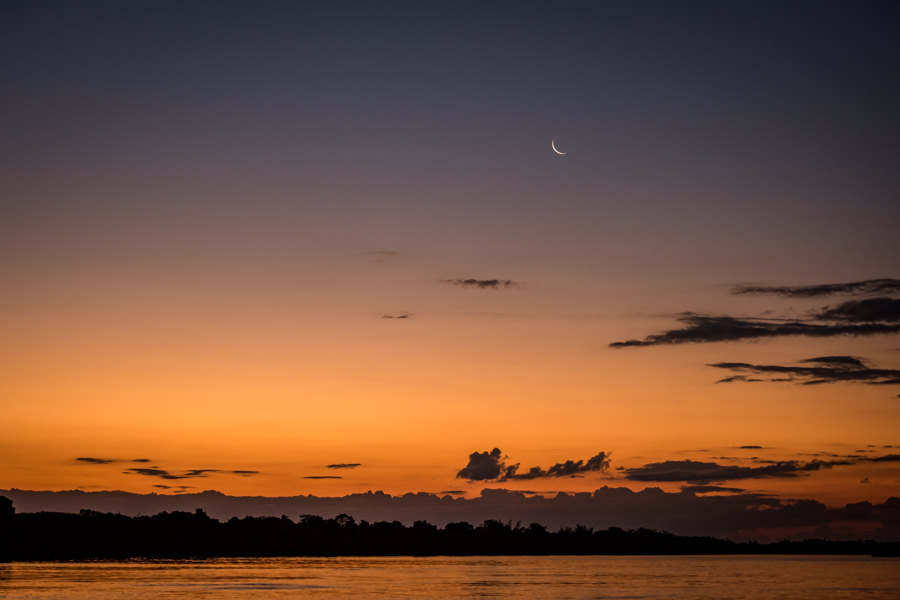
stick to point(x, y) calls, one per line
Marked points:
point(735, 516)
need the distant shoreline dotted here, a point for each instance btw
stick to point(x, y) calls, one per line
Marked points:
point(91, 535)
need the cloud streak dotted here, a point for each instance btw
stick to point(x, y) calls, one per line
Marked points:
point(91, 460)
point(482, 284)
point(868, 286)
point(697, 472)
point(701, 474)
point(870, 310)
point(812, 371)
point(492, 466)
point(867, 316)
point(188, 474)
point(704, 329)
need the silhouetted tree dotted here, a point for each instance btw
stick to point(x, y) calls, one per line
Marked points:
point(95, 535)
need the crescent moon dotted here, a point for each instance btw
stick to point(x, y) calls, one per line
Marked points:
point(553, 145)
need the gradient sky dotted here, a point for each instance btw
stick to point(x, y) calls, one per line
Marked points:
point(270, 237)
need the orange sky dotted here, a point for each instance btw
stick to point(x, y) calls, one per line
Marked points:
point(205, 244)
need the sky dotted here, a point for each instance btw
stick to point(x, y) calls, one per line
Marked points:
point(280, 248)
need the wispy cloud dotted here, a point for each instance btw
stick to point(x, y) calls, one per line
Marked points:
point(706, 489)
point(403, 315)
point(381, 256)
point(344, 465)
point(492, 466)
point(870, 310)
point(869, 286)
point(698, 472)
point(868, 316)
point(188, 474)
point(824, 369)
point(705, 473)
point(95, 461)
point(703, 329)
point(482, 284)
point(151, 472)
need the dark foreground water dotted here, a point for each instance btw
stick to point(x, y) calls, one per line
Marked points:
point(525, 578)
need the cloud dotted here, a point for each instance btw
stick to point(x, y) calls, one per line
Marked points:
point(344, 465)
point(482, 283)
point(483, 466)
point(869, 286)
point(885, 458)
point(188, 474)
point(871, 310)
point(703, 329)
point(199, 472)
point(403, 315)
point(869, 316)
point(709, 472)
point(492, 466)
point(323, 477)
point(705, 489)
point(383, 255)
point(141, 460)
point(95, 461)
point(151, 472)
point(751, 447)
point(823, 369)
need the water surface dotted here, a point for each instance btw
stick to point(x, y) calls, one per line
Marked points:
point(525, 578)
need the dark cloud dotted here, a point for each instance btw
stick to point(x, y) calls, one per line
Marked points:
point(152, 472)
point(885, 458)
point(452, 492)
point(483, 466)
point(871, 310)
point(95, 461)
point(323, 477)
point(751, 447)
point(869, 286)
point(702, 329)
point(200, 472)
point(482, 283)
point(823, 369)
point(140, 460)
point(698, 472)
point(404, 315)
point(705, 489)
point(189, 474)
point(344, 465)
point(492, 466)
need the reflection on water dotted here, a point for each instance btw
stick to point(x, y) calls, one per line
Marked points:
point(527, 578)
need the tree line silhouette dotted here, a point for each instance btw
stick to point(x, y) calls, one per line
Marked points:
point(95, 535)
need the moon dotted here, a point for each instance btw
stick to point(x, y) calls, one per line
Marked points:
point(553, 145)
